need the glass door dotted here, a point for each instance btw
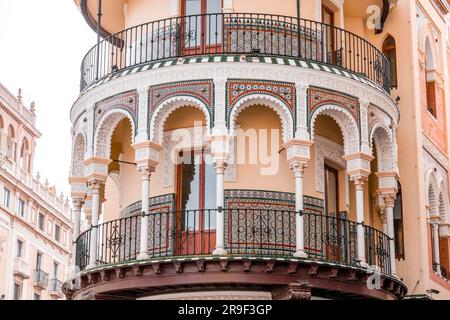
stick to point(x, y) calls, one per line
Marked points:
point(201, 27)
point(196, 203)
point(331, 55)
point(333, 239)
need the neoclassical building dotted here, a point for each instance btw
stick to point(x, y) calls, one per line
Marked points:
point(35, 220)
point(236, 149)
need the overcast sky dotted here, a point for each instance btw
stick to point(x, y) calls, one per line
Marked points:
point(42, 44)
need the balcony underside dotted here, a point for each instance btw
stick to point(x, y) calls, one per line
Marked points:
point(202, 274)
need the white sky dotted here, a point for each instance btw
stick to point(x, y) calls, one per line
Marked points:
point(42, 44)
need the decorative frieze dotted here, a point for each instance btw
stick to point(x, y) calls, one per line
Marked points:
point(318, 97)
point(127, 101)
point(237, 89)
point(202, 90)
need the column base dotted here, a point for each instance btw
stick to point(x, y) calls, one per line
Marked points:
point(143, 256)
point(220, 252)
point(301, 254)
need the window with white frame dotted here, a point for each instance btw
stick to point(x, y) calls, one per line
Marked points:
point(41, 220)
point(57, 233)
point(19, 252)
point(21, 208)
point(6, 196)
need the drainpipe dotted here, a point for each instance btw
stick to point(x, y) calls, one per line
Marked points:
point(298, 28)
point(99, 25)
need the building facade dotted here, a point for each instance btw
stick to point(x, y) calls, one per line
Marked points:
point(35, 225)
point(296, 151)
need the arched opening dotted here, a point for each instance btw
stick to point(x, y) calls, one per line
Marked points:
point(260, 157)
point(430, 79)
point(122, 186)
point(185, 131)
point(24, 160)
point(390, 51)
point(332, 182)
point(79, 150)
point(11, 143)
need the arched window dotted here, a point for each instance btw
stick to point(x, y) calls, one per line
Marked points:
point(10, 143)
point(390, 51)
point(430, 78)
point(25, 155)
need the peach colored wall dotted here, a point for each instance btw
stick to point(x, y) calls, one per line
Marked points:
point(143, 11)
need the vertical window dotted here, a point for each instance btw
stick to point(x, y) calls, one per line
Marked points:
point(6, 195)
point(38, 261)
point(64, 237)
point(37, 296)
point(55, 270)
point(398, 227)
point(19, 248)
point(390, 51)
point(17, 291)
point(57, 232)
point(21, 208)
point(41, 221)
point(430, 79)
point(10, 143)
point(331, 191)
point(203, 24)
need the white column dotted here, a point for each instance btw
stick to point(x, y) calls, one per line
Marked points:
point(437, 258)
point(298, 169)
point(361, 248)
point(77, 205)
point(95, 188)
point(220, 216)
point(390, 203)
point(145, 183)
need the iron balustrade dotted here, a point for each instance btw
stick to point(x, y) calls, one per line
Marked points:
point(377, 249)
point(250, 232)
point(83, 246)
point(41, 278)
point(56, 286)
point(234, 34)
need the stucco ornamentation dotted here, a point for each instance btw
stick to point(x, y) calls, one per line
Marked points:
point(382, 138)
point(273, 103)
point(345, 122)
point(127, 101)
point(78, 152)
point(167, 107)
point(106, 127)
point(326, 149)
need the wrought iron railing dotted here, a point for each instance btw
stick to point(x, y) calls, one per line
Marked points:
point(268, 233)
point(41, 278)
point(377, 249)
point(237, 34)
point(56, 286)
point(441, 270)
point(83, 247)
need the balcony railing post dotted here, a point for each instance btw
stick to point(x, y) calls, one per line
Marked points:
point(298, 168)
point(77, 206)
point(436, 253)
point(220, 215)
point(145, 184)
point(389, 201)
point(95, 186)
point(360, 231)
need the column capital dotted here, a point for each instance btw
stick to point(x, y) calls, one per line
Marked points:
point(78, 202)
point(298, 167)
point(147, 154)
point(389, 199)
point(364, 103)
point(78, 186)
point(358, 165)
point(220, 150)
point(95, 185)
point(359, 180)
point(96, 168)
point(298, 150)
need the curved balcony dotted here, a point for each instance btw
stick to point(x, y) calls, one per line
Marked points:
point(234, 34)
point(250, 235)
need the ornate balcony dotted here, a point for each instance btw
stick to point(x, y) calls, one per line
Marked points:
point(21, 268)
point(56, 289)
point(41, 279)
point(255, 240)
point(234, 37)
